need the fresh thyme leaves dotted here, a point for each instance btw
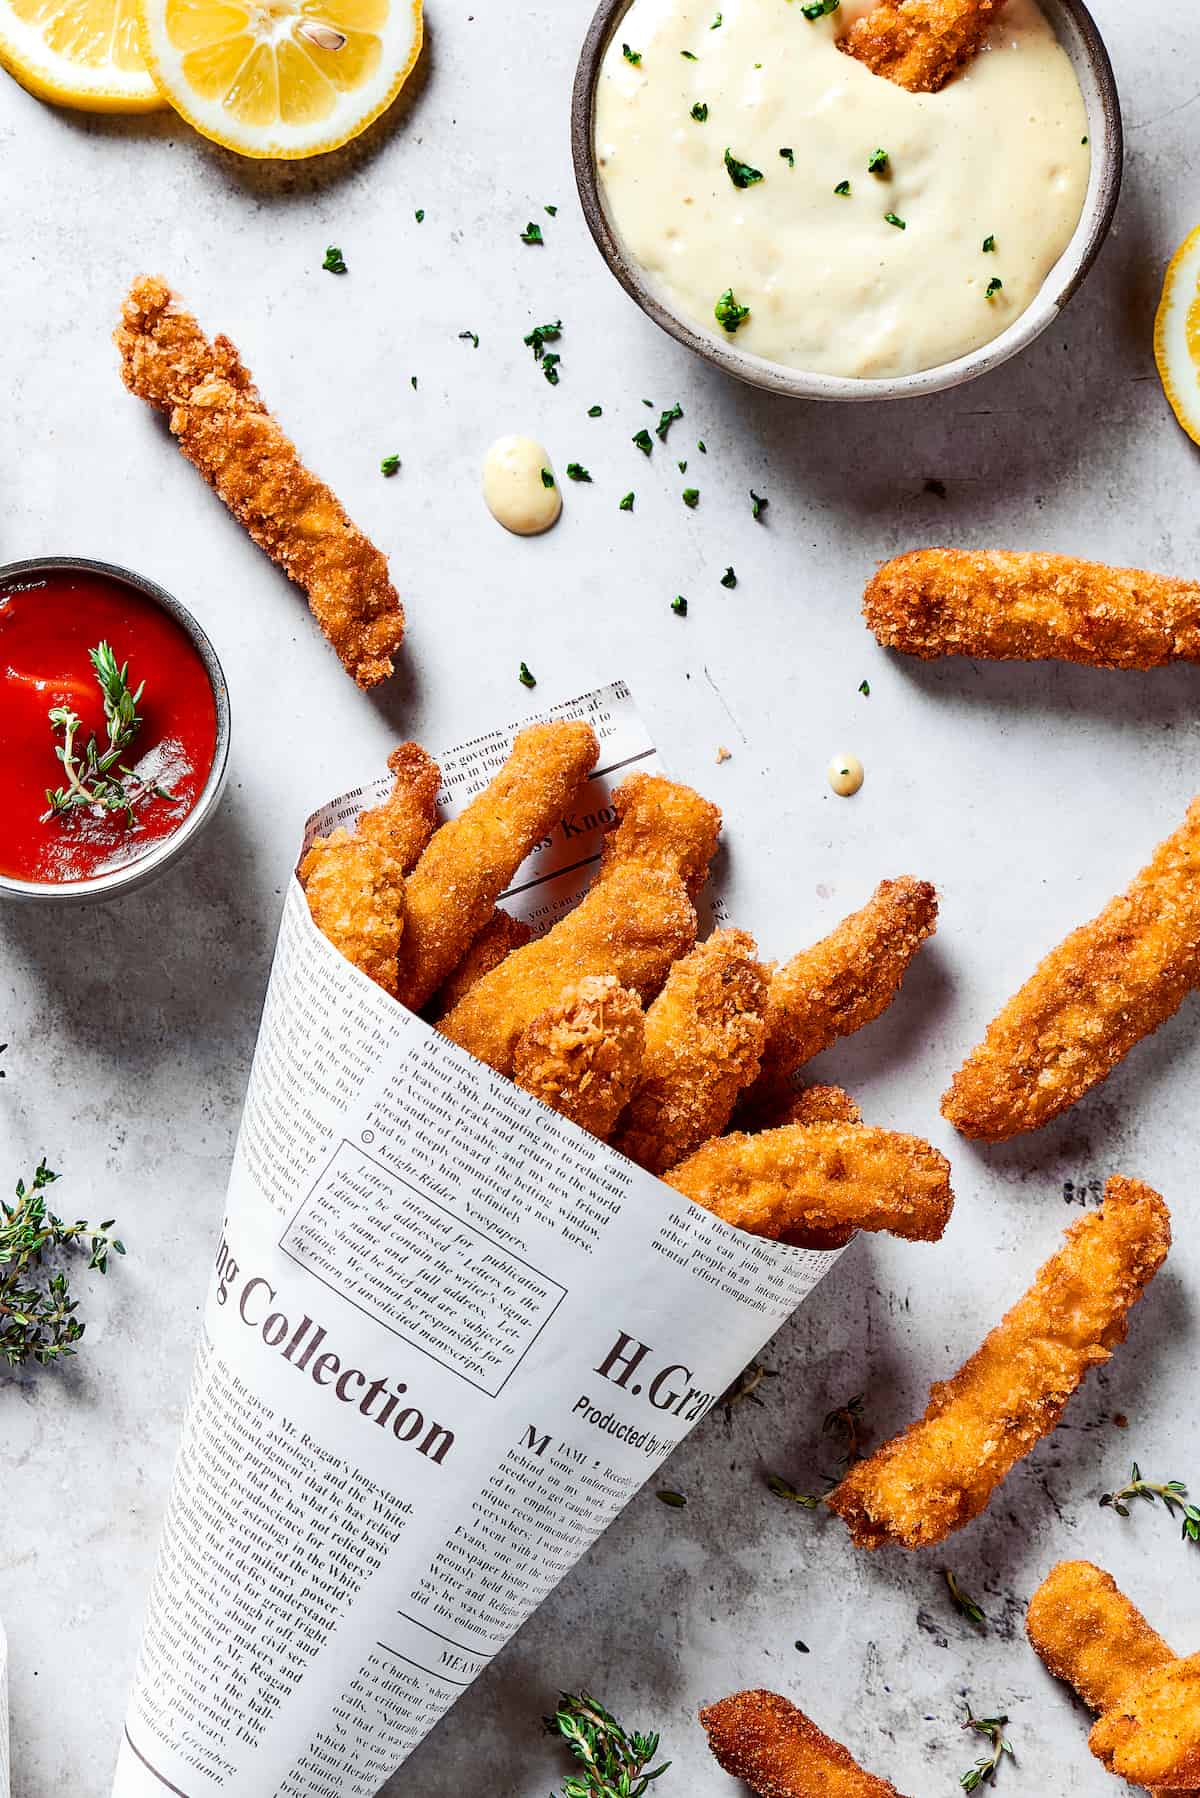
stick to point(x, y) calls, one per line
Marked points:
point(92, 785)
point(741, 173)
point(532, 233)
point(729, 313)
point(691, 498)
point(864, 687)
point(846, 1421)
point(537, 340)
point(595, 411)
point(626, 504)
point(744, 1389)
point(666, 420)
point(989, 244)
point(984, 1770)
point(37, 1312)
point(577, 472)
point(1173, 1494)
point(780, 1487)
point(789, 156)
point(993, 287)
point(633, 56)
point(615, 1764)
point(419, 215)
point(390, 464)
point(963, 1601)
point(700, 111)
point(758, 503)
point(472, 337)
point(819, 9)
point(665, 1495)
point(679, 607)
point(525, 677)
point(729, 578)
point(334, 261)
point(843, 189)
point(547, 478)
point(892, 218)
point(643, 440)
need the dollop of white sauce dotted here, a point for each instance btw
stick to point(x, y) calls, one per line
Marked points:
point(832, 287)
point(520, 486)
point(846, 775)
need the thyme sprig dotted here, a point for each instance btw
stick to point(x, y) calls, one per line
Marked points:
point(37, 1312)
point(91, 783)
point(781, 1488)
point(744, 1389)
point(847, 1421)
point(973, 1612)
point(614, 1764)
point(1173, 1494)
point(984, 1770)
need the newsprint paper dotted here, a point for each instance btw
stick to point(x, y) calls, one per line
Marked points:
point(447, 1338)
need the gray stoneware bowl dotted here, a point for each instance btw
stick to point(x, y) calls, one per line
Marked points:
point(135, 873)
point(1078, 35)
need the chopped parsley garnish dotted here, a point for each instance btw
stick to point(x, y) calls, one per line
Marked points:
point(758, 503)
point(691, 498)
point(993, 287)
point(471, 337)
point(667, 420)
point(644, 441)
point(729, 578)
point(523, 675)
point(550, 362)
point(626, 504)
point(843, 188)
point(547, 478)
point(419, 215)
point(552, 210)
point(741, 173)
point(1083, 140)
point(729, 313)
point(789, 156)
point(717, 23)
point(878, 162)
point(334, 261)
point(701, 448)
point(649, 403)
point(537, 340)
point(818, 9)
point(892, 218)
point(989, 244)
point(679, 606)
point(390, 464)
point(683, 468)
point(413, 379)
point(532, 233)
point(577, 472)
point(692, 57)
point(595, 411)
point(633, 56)
point(864, 687)
point(700, 111)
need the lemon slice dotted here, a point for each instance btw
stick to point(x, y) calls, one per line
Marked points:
point(81, 53)
point(1177, 335)
point(280, 77)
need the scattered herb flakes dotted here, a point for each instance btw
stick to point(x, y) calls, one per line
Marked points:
point(334, 261)
point(789, 156)
point(700, 111)
point(893, 218)
point(666, 420)
point(679, 607)
point(729, 578)
point(877, 162)
point(989, 244)
point(525, 677)
point(843, 189)
point(532, 233)
point(741, 173)
point(717, 23)
point(665, 1496)
point(633, 56)
point(729, 313)
point(390, 464)
point(550, 362)
point(690, 54)
point(419, 215)
point(626, 505)
point(644, 441)
point(540, 336)
point(820, 9)
point(547, 478)
point(471, 337)
point(595, 411)
point(691, 498)
point(413, 381)
point(993, 288)
point(1083, 140)
point(552, 210)
point(782, 1489)
point(701, 448)
point(649, 403)
point(864, 687)
point(682, 467)
point(758, 503)
point(577, 472)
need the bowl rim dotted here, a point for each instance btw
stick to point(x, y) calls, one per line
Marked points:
point(143, 867)
point(1096, 217)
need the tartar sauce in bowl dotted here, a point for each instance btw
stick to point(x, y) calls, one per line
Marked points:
point(782, 197)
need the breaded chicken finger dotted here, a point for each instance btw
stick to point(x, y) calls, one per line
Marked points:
point(841, 983)
point(225, 430)
point(499, 937)
point(583, 1054)
point(780, 1753)
point(704, 1036)
point(806, 1178)
point(1003, 605)
point(938, 1475)
point(472, 859)
point(407, 818)
point(1109, 984)
point(920, 44)
point(662, 824)
point(1152, 1737)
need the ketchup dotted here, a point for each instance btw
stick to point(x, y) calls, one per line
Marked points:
point(48, 623)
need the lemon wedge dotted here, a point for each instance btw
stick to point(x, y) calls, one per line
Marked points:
point(81, 53)
point(1177, 335)
point(280, 78)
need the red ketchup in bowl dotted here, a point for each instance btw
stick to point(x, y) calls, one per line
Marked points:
point(49, 624)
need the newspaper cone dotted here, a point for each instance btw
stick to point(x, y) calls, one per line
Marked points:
point(448, 1337)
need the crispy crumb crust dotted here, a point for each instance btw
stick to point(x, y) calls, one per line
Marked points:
point(920, 44)
point(780, 1753)
point(583, 1054)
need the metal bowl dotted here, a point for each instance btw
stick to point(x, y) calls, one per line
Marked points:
point(1080, 38)
point(143, 868)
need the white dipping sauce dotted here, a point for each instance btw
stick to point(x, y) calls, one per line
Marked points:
point(520, 486)
point(832, 287)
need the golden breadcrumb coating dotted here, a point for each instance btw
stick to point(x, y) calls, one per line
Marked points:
point(920, 44)
point(1110, 983)
point(805, 1178)
point(407, 819)
point(499, 937)
point(1152, 1737)
point(224, 428)
point(582, 1055)
point(942, 1471)
point(355, 892)
point(663, 824)
point(815, 1105)
point(1089, 1634)
point(1008, 605)
point(840, 984)
point(704, 1036)
point(472, 859)
point(780, 1753)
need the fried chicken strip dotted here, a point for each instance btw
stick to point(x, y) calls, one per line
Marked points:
point(225, 430)
point(816, 1105)
point(843, 982)
point(583, 1054)
point(499, 937)
point(942, 1471)
point(1109, 984)
point(407, 819)
point(1005, 605)
point(471, 860)
point(634, 921)
point(1090, 1635)
point(780, 1753)
point(1152, 1737)
point(920, 44)
point(805, 1178)
point(704, 1036)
